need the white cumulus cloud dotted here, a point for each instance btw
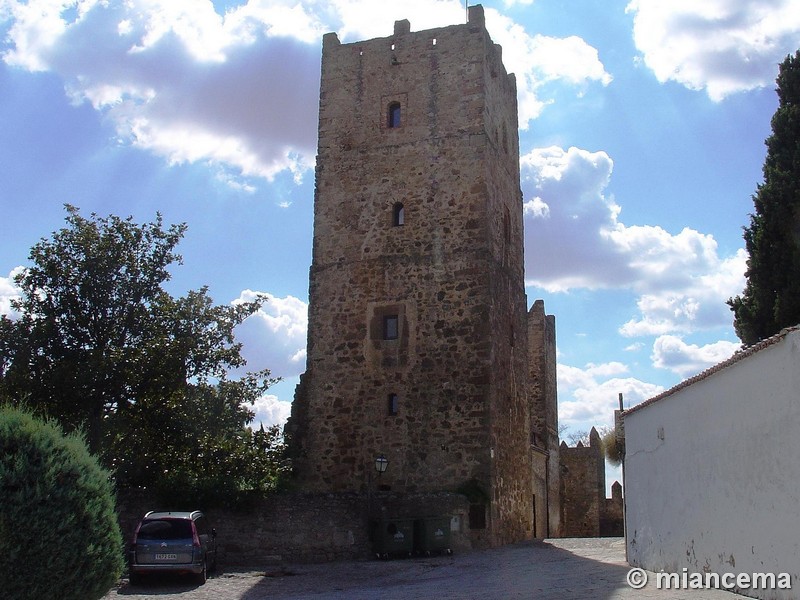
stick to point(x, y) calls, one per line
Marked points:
point(695, 302)
point(9, 291)
point(720, 46)
point(564, 244)
point(239, 90)
point(274, 337)
point(537, 60)
point(588, 396)
point(270, 410)
point(574, 238)
point(177, 79)
point(671, 352)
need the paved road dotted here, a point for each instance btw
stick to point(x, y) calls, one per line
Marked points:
point(564, 569)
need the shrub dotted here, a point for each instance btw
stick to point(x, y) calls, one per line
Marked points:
point(59, 533)
point(613, 447)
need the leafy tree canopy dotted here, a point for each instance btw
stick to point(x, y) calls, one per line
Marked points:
point(99, 345)
point(771, 298)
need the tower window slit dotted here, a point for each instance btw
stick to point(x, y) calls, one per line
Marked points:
point(393, 115)
point(398, 215)
point(391, 327)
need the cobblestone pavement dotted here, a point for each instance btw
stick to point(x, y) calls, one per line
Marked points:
point(564, 569)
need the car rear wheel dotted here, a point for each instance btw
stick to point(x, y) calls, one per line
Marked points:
point(202, 576)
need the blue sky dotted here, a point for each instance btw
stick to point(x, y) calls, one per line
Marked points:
point(641, 133)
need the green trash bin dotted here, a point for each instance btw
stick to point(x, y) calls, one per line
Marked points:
point(432, 535)
point(393, 537)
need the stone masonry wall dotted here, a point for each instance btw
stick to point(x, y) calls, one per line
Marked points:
point(432, 271)
point(542, 390)
point(580, 484)
point(510, 423)
point(451, 273)
point(297, 528)
point(612, 518)
point(540, 501)
point(586, 510)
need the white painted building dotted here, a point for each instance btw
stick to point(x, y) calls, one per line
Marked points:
point(712, 470)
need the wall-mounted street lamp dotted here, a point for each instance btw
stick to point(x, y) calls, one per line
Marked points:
point(380, 464)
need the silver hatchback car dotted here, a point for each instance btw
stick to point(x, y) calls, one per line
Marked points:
point(174, 542)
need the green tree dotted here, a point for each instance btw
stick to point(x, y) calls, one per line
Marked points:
point(59, 533)
point(196, 443)
point(771, 298)
point(100, 346)
point(82, 344)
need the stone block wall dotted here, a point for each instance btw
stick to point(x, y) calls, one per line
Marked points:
point(580, 502)
point(586, 512)
point(539, 462)
point(542, 391)
point(297, 528)
point(580, 484)
point(612, 518)
point(450, 273)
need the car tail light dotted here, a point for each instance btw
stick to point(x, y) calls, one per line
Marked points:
point(195, 538)
point(136, 534)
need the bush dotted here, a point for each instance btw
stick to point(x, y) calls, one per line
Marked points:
point(614, 448)
point(59, 533)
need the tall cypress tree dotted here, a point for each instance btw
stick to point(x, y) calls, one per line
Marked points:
point(771, 298)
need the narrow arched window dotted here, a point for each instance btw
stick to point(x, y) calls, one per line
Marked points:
point(398, 215)
point(393, 404)
point(393, 115)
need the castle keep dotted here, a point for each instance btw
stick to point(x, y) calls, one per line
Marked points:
point(420, 344)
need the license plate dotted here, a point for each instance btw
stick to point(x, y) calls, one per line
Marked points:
point(166, 556)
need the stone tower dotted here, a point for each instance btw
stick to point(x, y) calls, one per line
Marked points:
point(418, 335)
